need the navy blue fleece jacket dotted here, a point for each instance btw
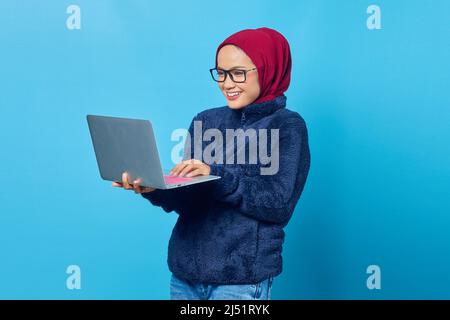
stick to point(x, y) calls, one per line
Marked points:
point(230, 231)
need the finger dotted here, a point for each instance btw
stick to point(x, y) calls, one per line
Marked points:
point(192, 161)
point(193, 173)
point(177, 169)
point(125, 182)
point(180, 168)
point(174, 169)
point(185, 170)
point(143, 190)
point(136, 186)
point(188, 169)
point(117, 184)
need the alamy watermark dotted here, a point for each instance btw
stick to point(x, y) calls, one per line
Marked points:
point(374, 279)
point(73, 21)
point(73, 281)
point(236, 143)
point(373, 22)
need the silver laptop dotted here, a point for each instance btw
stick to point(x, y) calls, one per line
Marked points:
point(129, 145)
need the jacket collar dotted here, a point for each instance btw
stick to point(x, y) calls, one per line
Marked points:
point(256, 111)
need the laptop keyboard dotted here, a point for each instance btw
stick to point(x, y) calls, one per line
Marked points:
point(173, 179)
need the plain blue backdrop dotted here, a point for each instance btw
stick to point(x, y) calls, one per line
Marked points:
point(376, 102)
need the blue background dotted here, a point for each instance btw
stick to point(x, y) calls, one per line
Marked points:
point(376, 103)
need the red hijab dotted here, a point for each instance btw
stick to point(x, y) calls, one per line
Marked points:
point(270, 52)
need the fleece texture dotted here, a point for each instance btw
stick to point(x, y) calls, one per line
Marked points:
point(230, 231)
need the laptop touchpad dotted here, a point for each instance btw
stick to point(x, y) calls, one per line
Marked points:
point(174, 179)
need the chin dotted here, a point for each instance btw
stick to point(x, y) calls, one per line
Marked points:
point(235, 105)
point(238, 104)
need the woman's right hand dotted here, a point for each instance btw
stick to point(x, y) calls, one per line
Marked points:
point(132, 186)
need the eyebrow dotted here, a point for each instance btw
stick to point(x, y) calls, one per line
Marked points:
point(235, 67)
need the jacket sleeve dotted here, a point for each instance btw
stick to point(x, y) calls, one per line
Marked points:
point(268, 198)
point(180, 200)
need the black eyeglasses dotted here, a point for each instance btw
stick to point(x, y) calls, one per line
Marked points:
point(236, 75)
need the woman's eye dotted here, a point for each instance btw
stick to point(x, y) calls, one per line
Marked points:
point(238, 73)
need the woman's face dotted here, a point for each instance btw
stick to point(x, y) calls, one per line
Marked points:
point(231, 57)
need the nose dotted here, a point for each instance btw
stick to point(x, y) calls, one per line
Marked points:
point(228, 83)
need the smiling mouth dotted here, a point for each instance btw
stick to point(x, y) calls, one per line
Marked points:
point(233, 94)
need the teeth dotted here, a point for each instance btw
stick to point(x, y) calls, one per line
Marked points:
point(232, 94)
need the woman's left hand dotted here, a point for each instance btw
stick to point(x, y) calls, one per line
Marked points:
point(191, 168)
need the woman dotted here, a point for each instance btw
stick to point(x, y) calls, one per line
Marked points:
point(228, 238)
